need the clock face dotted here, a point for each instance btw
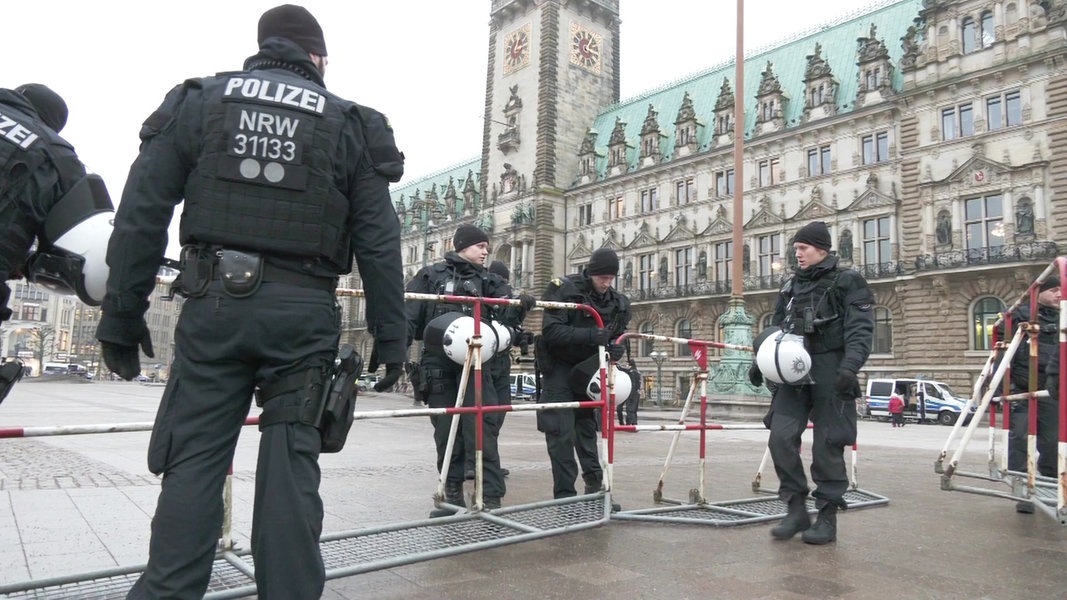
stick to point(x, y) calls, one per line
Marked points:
point(585, 48)
point(517, 49)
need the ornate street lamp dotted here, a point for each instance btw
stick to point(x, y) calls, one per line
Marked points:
point(659, 357)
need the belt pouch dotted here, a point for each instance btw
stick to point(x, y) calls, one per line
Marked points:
point(240, 272)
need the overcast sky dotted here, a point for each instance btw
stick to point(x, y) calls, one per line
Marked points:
point(421, 62)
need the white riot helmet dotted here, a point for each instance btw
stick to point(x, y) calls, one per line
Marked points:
point(452, 332)
point(585, 379)
point(782, 358)
point(623, 385)
point(72, 249)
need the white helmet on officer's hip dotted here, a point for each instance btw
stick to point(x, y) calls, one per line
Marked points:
point(623, 385)
point(451, 333)
point(72, 249)
point(782, 358)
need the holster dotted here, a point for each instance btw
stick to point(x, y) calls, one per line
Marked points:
point(328, 399)
point(197, 270)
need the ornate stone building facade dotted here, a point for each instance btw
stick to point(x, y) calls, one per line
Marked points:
point(927, 133)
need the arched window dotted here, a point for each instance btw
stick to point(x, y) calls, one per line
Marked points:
point(684, 329)
point(968, 35)
point(985, 312)
point(988, 36)
point(883, 331)
point(646, 345)
point(765, 322)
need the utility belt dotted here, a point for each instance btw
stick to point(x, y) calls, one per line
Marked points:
point(240, 272)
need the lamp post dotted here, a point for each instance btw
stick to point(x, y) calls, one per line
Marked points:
point(659, 357)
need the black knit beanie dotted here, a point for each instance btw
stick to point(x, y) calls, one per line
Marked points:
point(294, 23)
point(499, 268)
point(49, 105)
point(815, 234)
point(468, 235)
point(604, 261)
point(1050, 283)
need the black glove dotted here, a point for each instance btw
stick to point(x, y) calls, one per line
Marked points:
point(599, 337)
point(393, 371)
point(848, 384)
point(119, 338)
point(616, 351)
point(755, 376)
point(527, 302)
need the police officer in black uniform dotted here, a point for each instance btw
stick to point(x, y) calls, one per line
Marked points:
point(282, 182)
point(37, 168)
point(1048, 323)
point(461, 273)
point(832, 308)
point(570, 337)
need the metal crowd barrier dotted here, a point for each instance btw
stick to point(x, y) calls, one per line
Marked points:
point(1046, 494)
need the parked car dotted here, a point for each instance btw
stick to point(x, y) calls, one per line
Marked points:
point(934, 400)
point(366, 382)
point(523, 387)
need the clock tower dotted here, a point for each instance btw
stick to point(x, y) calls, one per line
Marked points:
point(553, 65)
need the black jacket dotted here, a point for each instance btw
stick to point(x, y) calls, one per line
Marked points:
point(1048, 319)
point(842, 309)
point(37, 167)
point(566, 334)
point(457, 277)
point(364, 161)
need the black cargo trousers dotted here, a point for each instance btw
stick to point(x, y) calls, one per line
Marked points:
point(224, 348)
point(1048, 429)
point(441, 378)
point(834, 421)
point(499, 368)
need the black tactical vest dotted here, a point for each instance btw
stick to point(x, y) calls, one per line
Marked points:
point(264, 179)
point(446, 279)
point(814, 309)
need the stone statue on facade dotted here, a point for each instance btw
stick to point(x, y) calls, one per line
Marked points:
point(943, 231)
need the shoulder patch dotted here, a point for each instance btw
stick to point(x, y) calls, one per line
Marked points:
point(557, 282)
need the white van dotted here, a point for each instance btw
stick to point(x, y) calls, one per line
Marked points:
point(523, 387)
point(934, 400)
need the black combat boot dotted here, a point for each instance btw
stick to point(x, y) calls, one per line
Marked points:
point(593, 482)
point(825, 529)
point(453, 495)
point(491, 502)
point(795, 521)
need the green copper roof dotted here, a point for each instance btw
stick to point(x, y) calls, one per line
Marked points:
point(789, 60)
point(438, 183)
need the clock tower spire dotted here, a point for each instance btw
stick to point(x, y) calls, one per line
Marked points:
point(553, 65)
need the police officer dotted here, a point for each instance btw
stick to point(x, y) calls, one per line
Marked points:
point(1048, 322)
point(282, 182)
point(626, 409)
point(832, 308)
point(461, 273)
point(37, 169)
point(570, 337)
point(500, 365)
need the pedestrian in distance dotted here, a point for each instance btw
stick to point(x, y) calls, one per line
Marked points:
point(272, 216)
point(832, 309)
point(896, 409)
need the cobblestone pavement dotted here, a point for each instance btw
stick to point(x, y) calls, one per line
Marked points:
point(73, 504)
